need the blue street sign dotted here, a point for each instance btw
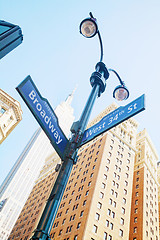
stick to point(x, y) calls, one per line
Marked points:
point(44, 114)
point(114, 118)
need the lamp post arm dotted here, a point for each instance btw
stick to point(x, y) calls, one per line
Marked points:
point(101, 46)
point(121, 82)
point(100, 39)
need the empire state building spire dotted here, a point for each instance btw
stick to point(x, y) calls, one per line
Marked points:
point(70, 97)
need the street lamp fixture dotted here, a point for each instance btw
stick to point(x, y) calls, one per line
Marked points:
point(89, 28)
point(120, 92)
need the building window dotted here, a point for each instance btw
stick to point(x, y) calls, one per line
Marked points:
point(113, 214)
point(107, 223)
point(105, 176)
point(135, 210)
point(84, 203)
point(111, 226)
point(66, 211)
point(126, 183)
point(95, 228)
point(67, 230)
point(136, 202)
point(81, 214)
point(94, 167)
point(64, 220)
point(114, 204)
point(89, 184)
point(107, 169)
point(123, 210)
point(135, 220)
point(127, 175)
point(125, 191)
point(78, 225)
point(101, 195)
point(122, 221)
point(110, 154)
point(103, 185)
point(135, 230)
point(120, 232)
point(60, 232)
point(99, 205)
point(91, 175)
point(105, 236)
point(97, 216)
point(87, 192)
point(109, 212)
point(70, 229)
point(2, 110)
point(108, 161)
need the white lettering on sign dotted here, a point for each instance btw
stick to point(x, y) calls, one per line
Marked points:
point(95, 130)
point(131, 107)
point(46, 118)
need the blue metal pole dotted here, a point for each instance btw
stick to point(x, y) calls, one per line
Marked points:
point(45, 224)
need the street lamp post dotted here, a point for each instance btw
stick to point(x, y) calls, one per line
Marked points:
point(88, 28)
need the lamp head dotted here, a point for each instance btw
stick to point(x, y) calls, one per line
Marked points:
point(121, 93)
point(88, 27)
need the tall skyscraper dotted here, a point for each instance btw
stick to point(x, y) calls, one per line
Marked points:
point(144, 212)
point(18, 184)
point(10, 114)
point(97, 200)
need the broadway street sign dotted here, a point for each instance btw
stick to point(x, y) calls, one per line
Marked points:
point(114, 118)
point(44, 114)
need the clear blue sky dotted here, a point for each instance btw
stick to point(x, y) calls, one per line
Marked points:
point(58, 58)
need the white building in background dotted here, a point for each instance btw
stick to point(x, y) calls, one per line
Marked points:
point(10, 114)
point(18, 184)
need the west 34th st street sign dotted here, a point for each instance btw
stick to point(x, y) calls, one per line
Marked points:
point(44, 114)
point(114, 118)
